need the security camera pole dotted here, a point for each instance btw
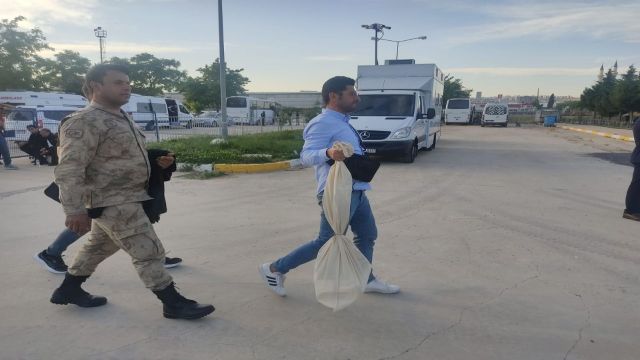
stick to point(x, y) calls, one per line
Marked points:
point(378, 28)
point(101, 34)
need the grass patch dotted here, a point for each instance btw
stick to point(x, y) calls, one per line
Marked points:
point(282, 145)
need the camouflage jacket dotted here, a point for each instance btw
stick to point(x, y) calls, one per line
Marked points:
point(102, 161)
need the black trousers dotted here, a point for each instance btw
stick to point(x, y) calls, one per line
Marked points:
point(633, 193)
point(32, 151)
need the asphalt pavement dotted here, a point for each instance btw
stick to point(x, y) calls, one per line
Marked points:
point(508, 243)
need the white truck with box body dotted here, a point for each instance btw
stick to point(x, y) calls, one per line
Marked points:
point(399, 108)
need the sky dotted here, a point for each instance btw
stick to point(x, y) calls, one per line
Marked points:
point(504, 47)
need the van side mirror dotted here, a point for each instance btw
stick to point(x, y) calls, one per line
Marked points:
point(431, 113)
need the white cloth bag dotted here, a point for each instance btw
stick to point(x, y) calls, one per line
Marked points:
point(341, 271)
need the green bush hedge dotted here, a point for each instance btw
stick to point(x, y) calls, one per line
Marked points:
point(283, 145)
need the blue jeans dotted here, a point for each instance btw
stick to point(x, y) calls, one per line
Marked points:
point(62, 242)
point(4, 151)
point(363, 226)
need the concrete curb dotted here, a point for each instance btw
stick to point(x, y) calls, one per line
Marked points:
point(599, 133)
point(257, 168)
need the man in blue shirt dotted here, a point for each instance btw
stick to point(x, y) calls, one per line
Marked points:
point(340, 98)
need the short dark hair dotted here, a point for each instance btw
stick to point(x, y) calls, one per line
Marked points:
point(97, 73)
point(336, 84)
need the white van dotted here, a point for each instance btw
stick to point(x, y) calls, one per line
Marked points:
point(458, 111)
point(48, 117)
point(179, 114)
point(140, 109)
point(495, 114)
point(168, 112)
point(35, 98)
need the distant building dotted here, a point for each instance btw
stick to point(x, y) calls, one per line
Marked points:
point(479, 95)
point(301, 99)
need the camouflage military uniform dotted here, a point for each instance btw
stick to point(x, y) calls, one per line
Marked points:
point(103, 164)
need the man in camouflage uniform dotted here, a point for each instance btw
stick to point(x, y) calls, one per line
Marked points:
point(103, 174)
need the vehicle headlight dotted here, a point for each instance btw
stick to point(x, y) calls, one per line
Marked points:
point(402, 133)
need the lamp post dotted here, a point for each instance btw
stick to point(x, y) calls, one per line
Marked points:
point(378, 28)
point(101, 34)
point(223, 72)
point(399, 41)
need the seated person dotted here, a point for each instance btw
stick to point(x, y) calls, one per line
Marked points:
point(50, 146)
point(34, 145)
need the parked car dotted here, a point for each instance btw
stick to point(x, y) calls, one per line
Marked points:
point(210, 118)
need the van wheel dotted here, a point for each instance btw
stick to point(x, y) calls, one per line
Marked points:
point(411, 154)
point(150, 126)
point(433, 145)
point(189, 124)
point(505, 124)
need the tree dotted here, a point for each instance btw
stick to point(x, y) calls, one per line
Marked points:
point(604, 90)
point(150, 75)
point(453, 88)
point(536, 103)
point(552, 101)
point(626, 93)
point(203, 92)
point(18, 55)
point(65, 73)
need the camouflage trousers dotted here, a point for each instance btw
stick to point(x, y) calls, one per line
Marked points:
point(125, 227)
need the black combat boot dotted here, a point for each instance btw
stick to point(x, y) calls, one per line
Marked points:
point(70, 292)
point(176, 306)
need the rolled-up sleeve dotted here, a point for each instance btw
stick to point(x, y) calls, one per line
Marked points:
point(314, 151)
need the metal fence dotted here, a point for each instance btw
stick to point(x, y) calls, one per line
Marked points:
point(210, 127)
point(202, 127)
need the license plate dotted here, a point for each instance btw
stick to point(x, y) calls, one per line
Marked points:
point(370, 151)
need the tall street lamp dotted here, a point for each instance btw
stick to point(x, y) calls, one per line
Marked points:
point(223, 72)
point(399, 41)
point(101, 34)
point(378, 28)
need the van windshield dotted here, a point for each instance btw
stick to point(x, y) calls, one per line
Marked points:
point(57, 115)
point(385, 105)
point(458, 104)
point(22, 115)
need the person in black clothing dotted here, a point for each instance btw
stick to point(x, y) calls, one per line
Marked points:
point(632, 210)
point(50, 147)
point(34, 145)
point(4, 147)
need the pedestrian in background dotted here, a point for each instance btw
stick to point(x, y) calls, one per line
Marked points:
point(632, 201)
point(4, 147)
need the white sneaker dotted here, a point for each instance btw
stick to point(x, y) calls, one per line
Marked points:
point(378, 286)
point(274, 281)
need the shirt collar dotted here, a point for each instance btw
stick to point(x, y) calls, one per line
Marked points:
point(95, 105)
point(336, 114)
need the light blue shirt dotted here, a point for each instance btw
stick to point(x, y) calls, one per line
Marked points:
point(319, 135)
